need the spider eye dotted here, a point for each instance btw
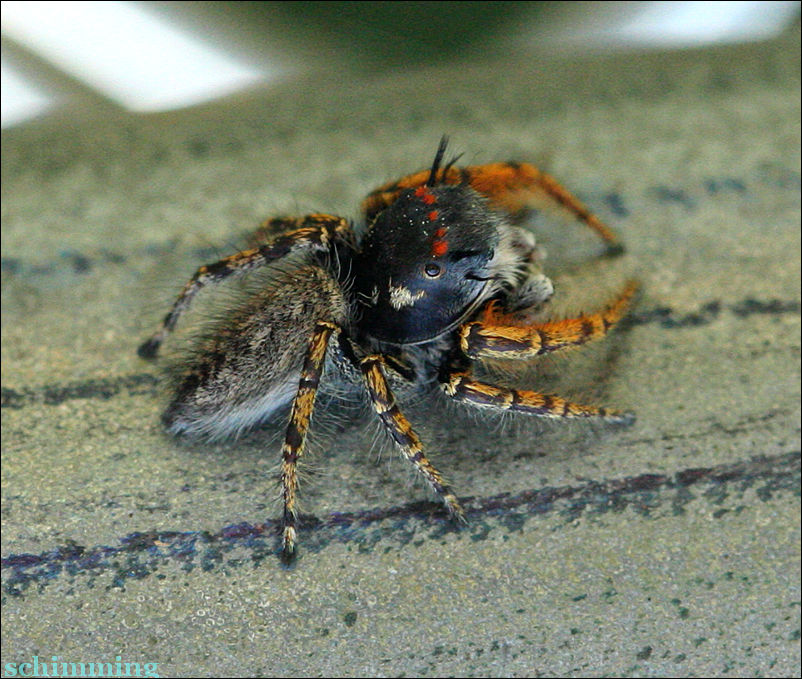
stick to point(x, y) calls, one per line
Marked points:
point(433, 270)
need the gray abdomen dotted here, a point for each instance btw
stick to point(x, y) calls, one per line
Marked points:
point(246, 365)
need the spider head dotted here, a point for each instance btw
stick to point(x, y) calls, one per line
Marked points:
point(423, 266)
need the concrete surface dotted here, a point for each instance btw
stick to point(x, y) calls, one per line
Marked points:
point(668, 548)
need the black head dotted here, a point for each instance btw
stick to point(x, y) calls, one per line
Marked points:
point(423, 262)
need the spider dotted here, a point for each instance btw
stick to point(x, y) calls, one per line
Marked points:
point(441, 278)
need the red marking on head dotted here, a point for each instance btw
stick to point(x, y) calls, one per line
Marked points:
point(433, 215)
point(425, 195)
point(440, 244)
point(439, 248)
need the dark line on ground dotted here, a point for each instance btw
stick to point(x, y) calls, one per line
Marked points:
point(101, 388)
point(81, 264)
point(143, 553)
point(709, 312)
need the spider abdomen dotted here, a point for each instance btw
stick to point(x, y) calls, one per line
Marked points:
point(246, 367)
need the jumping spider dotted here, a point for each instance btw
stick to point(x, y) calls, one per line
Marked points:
point(441, 278)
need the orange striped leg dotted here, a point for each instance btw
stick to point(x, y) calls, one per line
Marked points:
point(272, 228)
point(461, 387)
point(402, 433)
point(492, 338)
point(314, 234)
point(298, 426)
point(509, 186)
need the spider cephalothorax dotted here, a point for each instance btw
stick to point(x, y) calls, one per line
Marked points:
point(441, 278)
point(423, 264)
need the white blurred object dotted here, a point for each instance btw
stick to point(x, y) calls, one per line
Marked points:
point(681, 24)
point(21, 99)
point(127, 53)
point(626, 25)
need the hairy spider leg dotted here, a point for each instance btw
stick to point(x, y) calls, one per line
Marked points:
point(494, 337)
point(458, 385)
point(509, 186)
point(313, 233)
point(295, 439)
point(401, 431)
point(273, 227)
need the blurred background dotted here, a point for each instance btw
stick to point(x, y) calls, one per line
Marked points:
point(157, 56)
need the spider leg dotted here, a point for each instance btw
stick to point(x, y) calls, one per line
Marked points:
point(509, 186)
point(314, 233)
point(297, 428)
point(274, 227)
point(401, 431)
point(458, 384)
point(495, 337)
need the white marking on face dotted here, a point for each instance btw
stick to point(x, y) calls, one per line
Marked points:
point(401, 296)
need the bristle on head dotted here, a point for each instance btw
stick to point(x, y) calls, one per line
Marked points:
point(436, 165)
point(438, 158)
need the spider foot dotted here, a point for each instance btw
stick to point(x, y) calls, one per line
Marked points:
point(614, 250)
point(455, 510)
point(289, 549)
point(150, 349)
